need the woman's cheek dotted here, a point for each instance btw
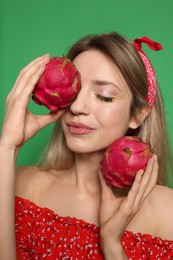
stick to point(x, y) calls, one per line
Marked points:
point(113, 115)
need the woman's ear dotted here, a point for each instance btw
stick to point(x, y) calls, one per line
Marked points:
point(137, 120)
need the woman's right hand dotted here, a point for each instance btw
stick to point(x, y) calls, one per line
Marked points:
point(20, 124)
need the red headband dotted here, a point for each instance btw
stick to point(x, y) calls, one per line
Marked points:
point(149, 68)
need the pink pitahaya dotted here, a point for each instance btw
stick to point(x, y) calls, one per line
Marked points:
point(59, 84)
point(123, 158)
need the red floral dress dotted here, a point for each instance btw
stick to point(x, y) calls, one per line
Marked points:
point(42, 234)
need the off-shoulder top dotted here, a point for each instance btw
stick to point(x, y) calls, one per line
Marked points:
point(43, 234)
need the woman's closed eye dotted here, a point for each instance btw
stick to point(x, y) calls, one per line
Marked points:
point(104, 98)
point(106, 92)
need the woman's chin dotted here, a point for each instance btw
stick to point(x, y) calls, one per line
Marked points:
point(79, 149)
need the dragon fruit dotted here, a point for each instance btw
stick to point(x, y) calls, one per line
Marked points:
point(123, 158)
point(59, 84)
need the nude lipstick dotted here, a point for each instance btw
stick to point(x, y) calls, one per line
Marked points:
point(79, 128)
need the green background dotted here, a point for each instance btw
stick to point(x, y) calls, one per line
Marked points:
point(32, 28)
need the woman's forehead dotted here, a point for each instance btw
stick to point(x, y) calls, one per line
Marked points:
point(96, 66)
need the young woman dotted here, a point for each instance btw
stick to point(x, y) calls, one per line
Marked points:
point(63, 207)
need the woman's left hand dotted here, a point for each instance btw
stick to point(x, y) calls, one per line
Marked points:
point(117, 212)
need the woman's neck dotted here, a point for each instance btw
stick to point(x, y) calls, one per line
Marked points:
point(86, 169)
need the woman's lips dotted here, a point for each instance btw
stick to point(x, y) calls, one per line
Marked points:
point(79, 128)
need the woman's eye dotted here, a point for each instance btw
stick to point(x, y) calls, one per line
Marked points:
point(105, 99)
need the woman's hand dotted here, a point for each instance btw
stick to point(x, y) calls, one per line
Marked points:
point(117, 212)
point(19, 124)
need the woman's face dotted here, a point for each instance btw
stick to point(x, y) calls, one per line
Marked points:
point(101, 112)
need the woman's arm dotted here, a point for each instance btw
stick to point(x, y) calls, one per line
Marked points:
point(18, 127)
point(113, 251)
point(117, 212)
point(7, 225)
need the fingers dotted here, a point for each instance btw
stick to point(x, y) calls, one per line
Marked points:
point(35, 68)
point(33, 79)
point(129, 206)
point(143, 185)
point(45, 120)
point(119, 212)
point(148, 180)
point(153, 177)
point(135, 187)
point(37, 62)
point(106, 190)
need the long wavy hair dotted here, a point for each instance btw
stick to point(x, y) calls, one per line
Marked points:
point(152, 129)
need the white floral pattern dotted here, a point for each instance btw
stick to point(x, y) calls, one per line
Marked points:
point(42, 234)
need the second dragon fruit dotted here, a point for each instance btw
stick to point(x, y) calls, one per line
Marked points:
point(123, 158)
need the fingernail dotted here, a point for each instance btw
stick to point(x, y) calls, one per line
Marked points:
point(153, 158)
point(46, 55)
point(141, 172)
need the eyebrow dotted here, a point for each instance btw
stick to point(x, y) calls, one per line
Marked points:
point(105, 82)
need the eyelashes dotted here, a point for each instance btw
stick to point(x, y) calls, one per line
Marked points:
point(105, 99)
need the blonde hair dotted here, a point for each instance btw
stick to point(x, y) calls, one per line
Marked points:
point(152, 129)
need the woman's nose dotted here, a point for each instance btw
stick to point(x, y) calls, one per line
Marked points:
point(81, 104)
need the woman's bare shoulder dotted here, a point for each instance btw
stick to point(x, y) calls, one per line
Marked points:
point(31, 180)
point(28, 179)
point(163, 194)
point(162, 204)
